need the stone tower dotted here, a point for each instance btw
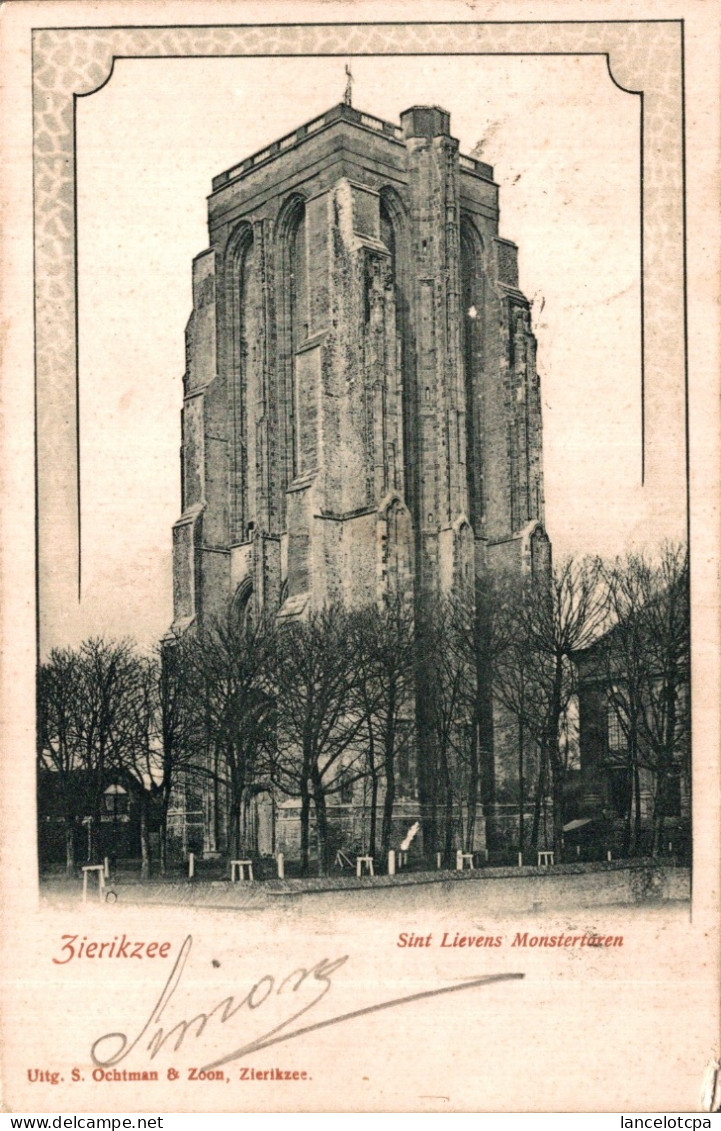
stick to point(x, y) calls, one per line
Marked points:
point(362, 407)
point(362, 410)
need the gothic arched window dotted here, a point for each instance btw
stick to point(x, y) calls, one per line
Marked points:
point(243, 307)
point(394, 234)
point(293, 323)
point(472, 306)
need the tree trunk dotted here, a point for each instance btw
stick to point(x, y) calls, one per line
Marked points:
point(69, 846)
point(666, 760)
point(389, 759)
point(321, 817)
point(484, 677)
point(538, 803)
point(555, 761)
point(304, 826)
point(163, 840)
point(374, 813)
point(234, 817)
point(447, 809)
point(388, 805)
point(558, 799)
point(627, 819)
point(637, 809)
point(237, 790)
point(425, 729)
point(163, 831)
point(521, 784)
point(472, 796)
point(427, 783)
point(374, 792)
point(95, 831)
point(144, 838)
point(658, 813)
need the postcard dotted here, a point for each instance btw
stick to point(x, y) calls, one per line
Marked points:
point(360, 539)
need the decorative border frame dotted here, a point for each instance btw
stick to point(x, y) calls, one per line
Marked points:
point(644, 58)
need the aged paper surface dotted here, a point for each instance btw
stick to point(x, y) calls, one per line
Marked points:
point(601, 122)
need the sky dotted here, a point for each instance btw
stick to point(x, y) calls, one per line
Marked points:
point(564, 144)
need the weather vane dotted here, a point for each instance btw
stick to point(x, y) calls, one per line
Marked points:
point(348, 96)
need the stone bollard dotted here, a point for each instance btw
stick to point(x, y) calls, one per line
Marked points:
point(99, 870)
point(459, 861)
point(608, 856)
point(281, 866)
point(520, 859)
point(391, 863)
point(438, 861)
point(106, 866)
point(191, 865)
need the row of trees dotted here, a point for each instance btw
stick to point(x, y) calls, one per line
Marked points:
point(100, 713)
point(645, 662)
point(623, 628)
point(311, 707)
point(316, 706)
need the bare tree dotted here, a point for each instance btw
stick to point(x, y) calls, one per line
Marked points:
point(446, 686)
point(103, 704)
point(88, 725)
point(318, 719)
point(181, 728)
point(488, 628)
point(666, 722)
point(557, 618)
point(383, 682)
point(58, 752)
point(646, 664)
point(228, 668)
point(624, 655)
point(518, 686)
point(137, 751)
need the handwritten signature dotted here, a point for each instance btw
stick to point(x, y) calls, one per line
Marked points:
point(112, 1048)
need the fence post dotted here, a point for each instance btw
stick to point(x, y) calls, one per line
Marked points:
point(281, 866)
point(191, 865)
point(391, 863)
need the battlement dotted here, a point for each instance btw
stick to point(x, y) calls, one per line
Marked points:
point(343, 113)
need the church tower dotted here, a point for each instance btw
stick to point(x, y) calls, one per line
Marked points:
point(362, 408)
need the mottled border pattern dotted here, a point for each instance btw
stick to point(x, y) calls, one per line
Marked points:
point(645, 58)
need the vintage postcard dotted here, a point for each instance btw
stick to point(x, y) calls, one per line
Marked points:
point(360, 696)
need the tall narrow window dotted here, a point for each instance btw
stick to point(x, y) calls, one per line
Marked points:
point(394, 234)
point(472, 340)
point(298, 282)
point(291, 307)
point(242, 305)
point(249, 387)
point(388, 236)
point(305, 393)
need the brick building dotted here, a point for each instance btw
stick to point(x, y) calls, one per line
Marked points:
point(362, 409)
